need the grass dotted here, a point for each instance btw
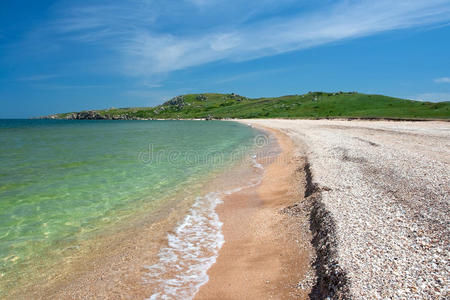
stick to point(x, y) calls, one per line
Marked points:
point(311, 105)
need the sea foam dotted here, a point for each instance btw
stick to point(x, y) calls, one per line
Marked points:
point(192, 248)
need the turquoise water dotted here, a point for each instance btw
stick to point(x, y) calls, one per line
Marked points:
point(62, 181)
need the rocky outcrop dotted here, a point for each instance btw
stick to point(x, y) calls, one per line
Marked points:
point(201, 97)
point(89, 115)
point(236, 97)
point(178, 102)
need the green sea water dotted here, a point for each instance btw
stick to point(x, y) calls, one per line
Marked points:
point(64, 181)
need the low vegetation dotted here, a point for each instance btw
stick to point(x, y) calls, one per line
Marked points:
point(311, 105)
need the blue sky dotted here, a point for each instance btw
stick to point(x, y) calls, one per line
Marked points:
point(58, 56)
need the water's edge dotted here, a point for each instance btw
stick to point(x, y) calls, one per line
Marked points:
point(90, 252)
point(193, 247)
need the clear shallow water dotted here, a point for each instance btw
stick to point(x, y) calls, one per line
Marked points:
point(63, 181)
point(194, 245)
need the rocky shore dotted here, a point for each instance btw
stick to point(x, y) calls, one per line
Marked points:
point(379, 206)
point(89, 115)
point(94, 115)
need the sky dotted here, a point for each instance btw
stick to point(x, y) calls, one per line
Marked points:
point(63, 56)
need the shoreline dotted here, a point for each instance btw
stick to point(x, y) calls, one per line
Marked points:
point(130, 246)
point(129, 250)
point(339, 118)
point(194, 243)
point(267, 250)
point(323, 211)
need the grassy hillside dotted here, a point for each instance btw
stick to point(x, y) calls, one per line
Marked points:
point(311, 105)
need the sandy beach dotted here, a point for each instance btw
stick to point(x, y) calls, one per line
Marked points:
point(267, 250)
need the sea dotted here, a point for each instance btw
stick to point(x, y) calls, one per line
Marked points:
point(64, 183)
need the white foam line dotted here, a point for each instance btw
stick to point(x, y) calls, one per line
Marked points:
point(192, 249)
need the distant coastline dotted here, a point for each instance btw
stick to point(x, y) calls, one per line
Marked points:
point(314, 105)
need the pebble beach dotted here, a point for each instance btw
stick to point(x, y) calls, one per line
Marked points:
point(384, 187)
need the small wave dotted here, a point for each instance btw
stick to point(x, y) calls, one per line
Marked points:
point(191, 251)
point(256, 164)
point(192, 248)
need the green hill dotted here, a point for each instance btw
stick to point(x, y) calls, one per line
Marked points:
point(311, 105)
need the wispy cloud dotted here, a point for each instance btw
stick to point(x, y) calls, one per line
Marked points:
point(56, 86)
point(110, 22)
point(149, 52)
point(432, 97)
point(152, 85)
point(152, 37)
point(39, 77)
point(442, 80)
point(203, 2)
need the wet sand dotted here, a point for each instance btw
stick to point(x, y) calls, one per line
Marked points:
point(267, 252)
point(112, 265)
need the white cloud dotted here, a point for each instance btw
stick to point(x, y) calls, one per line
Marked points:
point(153, 53)
point(442, 80)
point(153, 37)
point(225, 41)
point(432, 97)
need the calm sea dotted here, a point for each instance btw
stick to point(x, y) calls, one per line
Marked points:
point(63, 181)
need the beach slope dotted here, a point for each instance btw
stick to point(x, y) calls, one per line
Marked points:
point(379, 198)
point(267, 250)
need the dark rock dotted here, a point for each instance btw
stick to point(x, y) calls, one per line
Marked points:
point(88, 115)
point(201, 97)
point(178, 102)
